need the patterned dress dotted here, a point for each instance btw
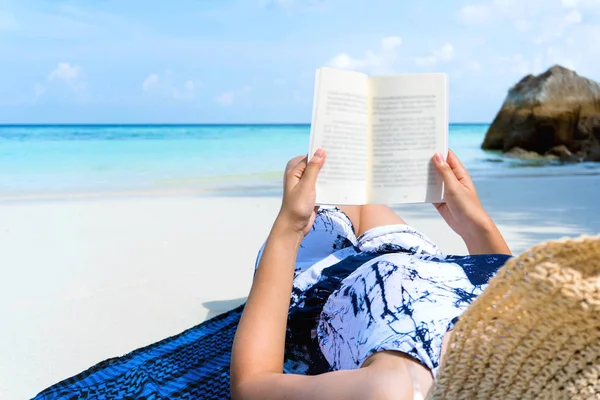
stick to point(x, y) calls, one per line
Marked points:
point(389, 289)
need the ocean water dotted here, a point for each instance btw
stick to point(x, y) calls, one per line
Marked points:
point(71, 159)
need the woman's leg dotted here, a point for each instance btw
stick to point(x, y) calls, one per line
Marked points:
point(374, 215)
point(353, 212)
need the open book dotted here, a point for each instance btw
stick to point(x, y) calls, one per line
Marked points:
point(380, 134)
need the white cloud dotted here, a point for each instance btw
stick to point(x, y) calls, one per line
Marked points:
point(518, 65)
point(390, 43)
point(556, 28)
point(475, 14)
point(441, 55)
point(227, 98)
point(165, 86)
point(63, 75)
point(574, 17)
point(380, 61)
point(446, 53)
point(67, 73)
point(344, 61)
point(151, 82)
point(544, 32)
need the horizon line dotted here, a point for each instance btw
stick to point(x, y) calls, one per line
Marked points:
point(41, 124)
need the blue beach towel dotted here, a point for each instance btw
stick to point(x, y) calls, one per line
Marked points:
point(191, 365)
point(195, 363)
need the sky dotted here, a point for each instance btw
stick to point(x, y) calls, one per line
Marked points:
point(253, 61)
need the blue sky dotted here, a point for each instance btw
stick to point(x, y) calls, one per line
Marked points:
point(206, 61)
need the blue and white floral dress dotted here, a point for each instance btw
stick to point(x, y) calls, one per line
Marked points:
point(389, 289)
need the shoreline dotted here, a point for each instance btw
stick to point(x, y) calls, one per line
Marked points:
point(268, 187)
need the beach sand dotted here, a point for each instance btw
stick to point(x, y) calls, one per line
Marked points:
point(88, 279)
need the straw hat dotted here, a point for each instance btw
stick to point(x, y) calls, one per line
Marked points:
point(534, 333)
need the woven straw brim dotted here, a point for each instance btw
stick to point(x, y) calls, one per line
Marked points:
point(534, 333)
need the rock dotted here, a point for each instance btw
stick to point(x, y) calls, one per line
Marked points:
point(541, 112)
point(517, 152)
point(560, 150)
point(593, 154)
point(563, 154)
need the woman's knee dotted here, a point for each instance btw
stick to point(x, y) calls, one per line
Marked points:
point(374, 215)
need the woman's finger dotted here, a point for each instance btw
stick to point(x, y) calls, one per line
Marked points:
point(459, 171)
point(445, 172)
point(294, 171)
point(293, 163)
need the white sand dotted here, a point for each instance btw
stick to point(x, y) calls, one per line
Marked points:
point(85, 280)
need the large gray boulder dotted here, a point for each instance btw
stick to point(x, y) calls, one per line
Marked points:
point(541, 112)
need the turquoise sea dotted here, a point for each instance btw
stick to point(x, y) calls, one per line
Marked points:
point(62, 160)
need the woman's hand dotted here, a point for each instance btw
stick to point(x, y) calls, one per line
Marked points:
point(298, 208)
point(463, 211)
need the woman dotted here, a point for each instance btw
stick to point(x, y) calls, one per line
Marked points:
point(372, 300)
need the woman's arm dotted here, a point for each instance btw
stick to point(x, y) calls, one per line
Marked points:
point(485, 238)
point(258, 348)
point(463, 211)
point(367, 383)
point(259, 343)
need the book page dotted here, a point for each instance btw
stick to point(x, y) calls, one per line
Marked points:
point(409, 125)
point(340, 127)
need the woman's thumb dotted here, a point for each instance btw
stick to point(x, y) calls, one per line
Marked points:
point(314, 166)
